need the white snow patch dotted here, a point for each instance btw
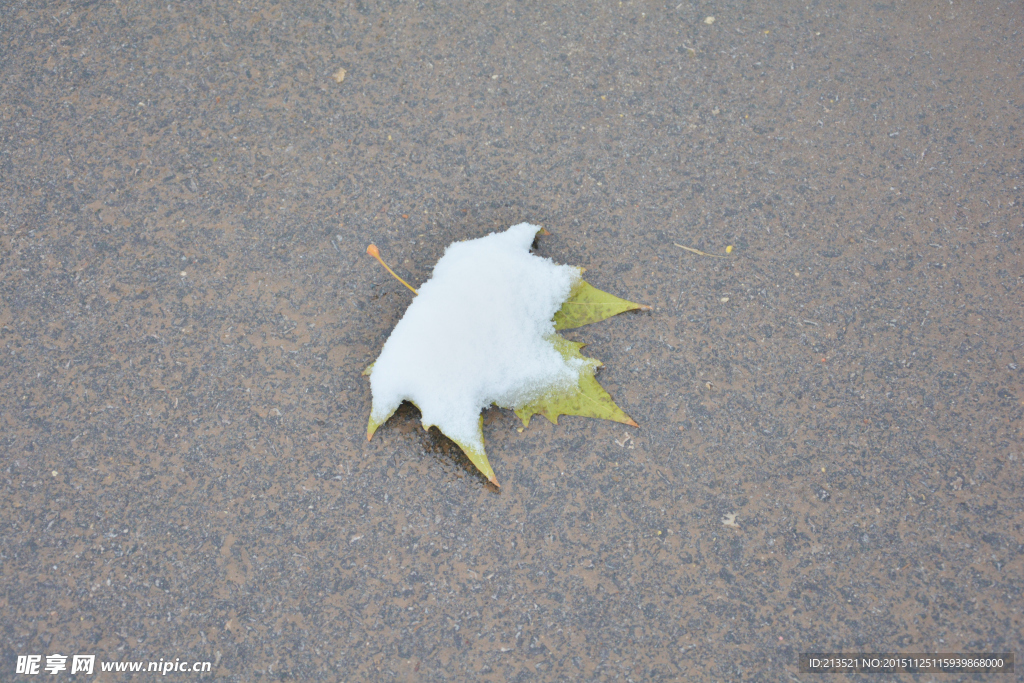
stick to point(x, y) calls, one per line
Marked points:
point(477, 333)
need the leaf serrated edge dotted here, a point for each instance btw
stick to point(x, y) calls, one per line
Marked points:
point(603, 406)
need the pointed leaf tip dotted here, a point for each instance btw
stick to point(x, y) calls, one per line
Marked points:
point(475, 452)
point(588, 304)
point(372, 425)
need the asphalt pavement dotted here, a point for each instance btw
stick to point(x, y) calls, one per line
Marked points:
point(829, 455)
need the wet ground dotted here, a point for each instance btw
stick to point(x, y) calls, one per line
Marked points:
point(829, 454)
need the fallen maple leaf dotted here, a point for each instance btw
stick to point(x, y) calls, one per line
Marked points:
point(481, 331)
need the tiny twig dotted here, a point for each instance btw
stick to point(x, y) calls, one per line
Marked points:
point(698, 251)
point(373, 251)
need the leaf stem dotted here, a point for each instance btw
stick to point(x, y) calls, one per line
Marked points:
point(373, 251)
point(697, 251)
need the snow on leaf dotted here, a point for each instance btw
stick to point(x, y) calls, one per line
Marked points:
point(481, 331)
